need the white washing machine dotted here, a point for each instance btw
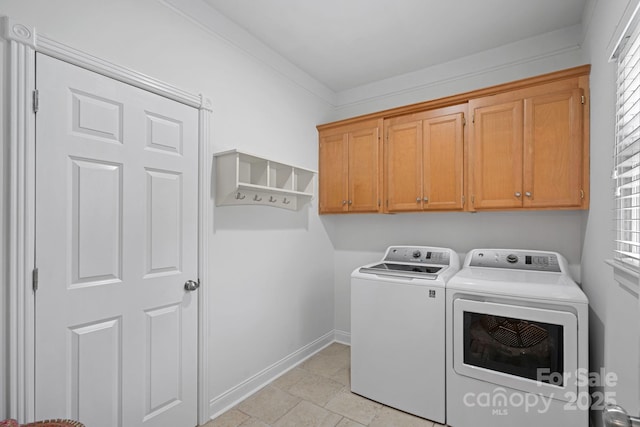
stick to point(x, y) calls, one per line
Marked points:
point(397, 329)
point(517, 342)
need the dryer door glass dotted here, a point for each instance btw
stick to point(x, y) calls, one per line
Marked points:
point(514, 346)
point(526, 348)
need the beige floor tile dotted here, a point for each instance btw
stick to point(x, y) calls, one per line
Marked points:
point(389, 417)
point(343, 376)
point(316, 394)
point(231, 418)
point(253, 422)
point(315, 388)
point(306, 414)
point(326, 365)
point(287, 380)
point(268, 404)
point(336, 348)
point(346, 422)
point(354, 407)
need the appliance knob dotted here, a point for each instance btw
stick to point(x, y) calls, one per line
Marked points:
point(417, 254)
point(512, 259)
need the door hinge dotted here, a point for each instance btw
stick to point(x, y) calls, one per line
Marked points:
point(36, 101)
point(464, 121)
point(34, 279)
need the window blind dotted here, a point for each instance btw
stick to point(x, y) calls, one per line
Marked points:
point(626, 171)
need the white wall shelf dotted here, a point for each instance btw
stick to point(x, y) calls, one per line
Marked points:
point(246, 179)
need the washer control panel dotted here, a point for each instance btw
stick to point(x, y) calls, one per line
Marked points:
point(515, 260)
point(417, 254)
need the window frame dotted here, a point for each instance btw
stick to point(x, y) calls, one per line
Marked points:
point(626, 156)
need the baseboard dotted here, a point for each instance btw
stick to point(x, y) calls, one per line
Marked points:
point(342, 337)
point(235, 395)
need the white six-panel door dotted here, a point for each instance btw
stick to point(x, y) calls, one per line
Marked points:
point(116, 240)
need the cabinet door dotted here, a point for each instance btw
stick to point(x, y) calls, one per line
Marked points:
point(442, 159)
point(553, 150)
point(496, 154)
point(363, 170)
point(333, 176)
point(403, 176)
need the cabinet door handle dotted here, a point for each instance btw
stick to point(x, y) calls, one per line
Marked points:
point(344, 202)
point(528, 194)
point(418, 199)
point(518, 194)
point(350, 202)
point(426, 200)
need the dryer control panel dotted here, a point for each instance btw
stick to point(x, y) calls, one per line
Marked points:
point(515, 260)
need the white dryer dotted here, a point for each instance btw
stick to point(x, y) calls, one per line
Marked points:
point(397, 329)
point(517, 342)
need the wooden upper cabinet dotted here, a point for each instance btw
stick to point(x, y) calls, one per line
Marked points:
point(553, 150)
point(364, 170)
point(527, 148)
point(349, 170)
point(333, 173)
point(403, 161)
point(443, 159)
point(496, 153)
point(517, 145)
point(424, 160)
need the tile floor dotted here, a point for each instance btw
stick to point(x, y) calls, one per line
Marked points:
point(315, 394)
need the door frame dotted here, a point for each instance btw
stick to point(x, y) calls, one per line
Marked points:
point(20, 44)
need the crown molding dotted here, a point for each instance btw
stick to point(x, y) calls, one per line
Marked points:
point(207, 18)
point(557, 48)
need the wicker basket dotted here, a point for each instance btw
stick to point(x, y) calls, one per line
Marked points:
point(55, 423)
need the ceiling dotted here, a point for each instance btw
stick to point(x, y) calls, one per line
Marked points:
point(348, 43)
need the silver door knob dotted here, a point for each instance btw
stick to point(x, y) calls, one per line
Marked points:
point(615, 416)
point(191, 285)
point(418, 199)
point(426, 200)
point(518, 194)
point(528, 194)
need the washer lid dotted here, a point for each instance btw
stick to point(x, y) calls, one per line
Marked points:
point(404, 270)
point(412, 263)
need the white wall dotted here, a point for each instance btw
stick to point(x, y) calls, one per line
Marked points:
point(271, 292)
point(613, 311)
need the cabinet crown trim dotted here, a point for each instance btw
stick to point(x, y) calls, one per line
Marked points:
point(582, 70)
